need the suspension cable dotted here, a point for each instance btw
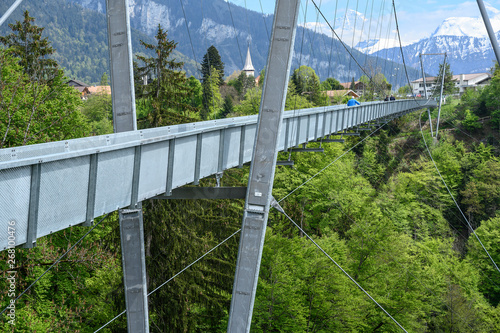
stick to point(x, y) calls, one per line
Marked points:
point(280, 209)
point(451, 195)
point(173, 277)
point(57, 261)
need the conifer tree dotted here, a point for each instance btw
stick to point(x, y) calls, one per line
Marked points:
point(169, 88)
point(449, 87)
point(26, 43)
point(212, 59)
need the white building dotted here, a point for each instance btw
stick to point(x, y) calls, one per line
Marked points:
point(462, 82)
point(249, 69)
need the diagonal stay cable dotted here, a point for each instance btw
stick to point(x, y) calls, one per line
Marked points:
point(331, 163)
point(339, 206)
point(173, 277)
point(235, 33)
point(456, 204)
point(276, 205)
point(57, 261)
point(340, 40)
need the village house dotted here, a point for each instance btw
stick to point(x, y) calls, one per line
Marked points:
point(462, 81)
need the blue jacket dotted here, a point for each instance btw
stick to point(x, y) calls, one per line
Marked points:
point(352, 102)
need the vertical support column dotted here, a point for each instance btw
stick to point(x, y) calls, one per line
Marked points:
point(124, 119)
point(441, 95)
point(122, 74)
point(134, 269)
point(491, 32)
point(262, 168)
point(425, 93)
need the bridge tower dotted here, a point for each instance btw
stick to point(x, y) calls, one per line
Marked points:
point(262, 167)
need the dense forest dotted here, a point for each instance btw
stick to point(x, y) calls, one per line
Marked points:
point(79, 37)
point(394, 207)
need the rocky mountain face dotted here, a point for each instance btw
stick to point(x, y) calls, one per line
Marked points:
point(466, 55)
point(464, 39)
point(197, 25)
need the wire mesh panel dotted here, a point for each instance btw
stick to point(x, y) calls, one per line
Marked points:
point(250, 131)
point(14, 203)
point(63, 194)
point(232, 138)
point(209, 154)
point(153, 176)
point(184, 161)
point(114, 180)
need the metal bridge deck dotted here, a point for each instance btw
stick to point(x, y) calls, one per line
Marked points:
point(48, 187)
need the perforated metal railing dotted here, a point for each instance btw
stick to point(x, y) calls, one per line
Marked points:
point(48, 187)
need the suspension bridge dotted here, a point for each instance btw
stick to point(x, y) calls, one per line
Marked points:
point(53, 186)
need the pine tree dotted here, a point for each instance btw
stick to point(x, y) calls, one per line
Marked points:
point(169, 88)
point(26, 43)
point(449, 87)
point(212, 59)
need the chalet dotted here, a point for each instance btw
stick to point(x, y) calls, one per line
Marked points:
point(359, 87)
point(462, 81)
point(80, 86)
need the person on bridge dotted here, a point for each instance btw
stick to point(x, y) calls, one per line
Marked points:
point(353, 102)
point(393, 98)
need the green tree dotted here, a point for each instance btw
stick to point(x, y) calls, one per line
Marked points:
point(449, 87)
point(251, 103)
point(470, 122)
point(104, 79)
point(227, 107)
point(168, 90)
point(99, 113)
point(242, 83)
point(331, 84)
point(212, 59)
point(34, 111)
point(404, 90)
point(213, 96)
point(488, 232)
point(307, 83)
point(27, 44)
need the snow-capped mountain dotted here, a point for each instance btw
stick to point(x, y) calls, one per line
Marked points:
point(464, 39)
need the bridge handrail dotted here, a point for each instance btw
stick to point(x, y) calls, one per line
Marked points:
point(48, 187)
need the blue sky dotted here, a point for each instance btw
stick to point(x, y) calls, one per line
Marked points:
point(417, 19)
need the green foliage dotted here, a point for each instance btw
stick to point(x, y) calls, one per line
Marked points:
point(307, 83)
point(36, 111)
point(404, 90)
point(27, 44)
point(449, 87)
point(489, 233)
point(227, 107)
point(470, 122)
point(212, 59)
point(331, 84)
point(242, 83)
point(99, 113)
point(104, 79)
point(212, 95)
point(169, 91)
point(251, 103)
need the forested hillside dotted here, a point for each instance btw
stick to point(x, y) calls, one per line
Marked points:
point(379, 205)
point(80, 37)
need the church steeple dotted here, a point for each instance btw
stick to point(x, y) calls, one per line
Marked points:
point(249, 69)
